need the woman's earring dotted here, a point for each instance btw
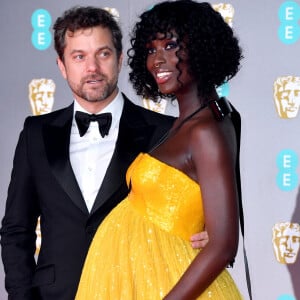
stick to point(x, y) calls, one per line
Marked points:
point(220, 108)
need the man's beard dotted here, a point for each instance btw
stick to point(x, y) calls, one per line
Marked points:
point(98, 93)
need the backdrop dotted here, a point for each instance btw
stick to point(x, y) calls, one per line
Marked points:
point(266, 92)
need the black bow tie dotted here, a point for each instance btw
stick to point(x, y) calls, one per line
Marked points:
point(83, 122)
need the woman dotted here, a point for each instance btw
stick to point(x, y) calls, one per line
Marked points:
point(183, 50)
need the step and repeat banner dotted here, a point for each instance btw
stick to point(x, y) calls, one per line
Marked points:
point(266, 92)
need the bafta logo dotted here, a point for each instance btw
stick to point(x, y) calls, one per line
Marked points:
point(41, 98)
point(38, 238)
point(114, 12)
point(41, 95)
point(158, 106)
point(286, 242)
point(226, 11)
point(287, 96)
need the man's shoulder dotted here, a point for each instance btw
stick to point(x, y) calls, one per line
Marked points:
point(59, 116)
point(51, 115)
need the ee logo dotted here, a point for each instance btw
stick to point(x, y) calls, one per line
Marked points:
point(289, 29)
point(287, 163)
point(41, 35)
point(223, 90)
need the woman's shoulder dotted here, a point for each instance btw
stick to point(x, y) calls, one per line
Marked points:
point(209, 135)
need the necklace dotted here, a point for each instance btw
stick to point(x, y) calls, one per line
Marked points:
point(173, 131)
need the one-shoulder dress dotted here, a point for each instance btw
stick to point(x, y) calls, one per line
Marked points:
point(142, 248)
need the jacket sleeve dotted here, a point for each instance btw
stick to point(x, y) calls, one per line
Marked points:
point(18, 237)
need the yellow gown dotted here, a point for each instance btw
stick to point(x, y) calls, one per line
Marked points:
point(142, 247)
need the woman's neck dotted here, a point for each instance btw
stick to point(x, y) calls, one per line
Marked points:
point(190, 102)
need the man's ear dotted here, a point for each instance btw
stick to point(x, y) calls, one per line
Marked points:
point(61, 67)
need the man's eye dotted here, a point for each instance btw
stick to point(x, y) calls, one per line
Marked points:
point(104, 53)
point(78, 57)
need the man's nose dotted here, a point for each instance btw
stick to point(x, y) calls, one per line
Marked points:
point(92, 64)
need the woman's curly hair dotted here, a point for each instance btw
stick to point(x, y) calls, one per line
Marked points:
point(213, 51)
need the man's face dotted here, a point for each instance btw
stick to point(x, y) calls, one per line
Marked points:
point(91, 66)
point(288, 98)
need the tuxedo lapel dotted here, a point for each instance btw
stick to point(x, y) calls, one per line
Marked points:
point(56, 136)
point(133, 138)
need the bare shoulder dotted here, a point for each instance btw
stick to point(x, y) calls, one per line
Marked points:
point(209, 137)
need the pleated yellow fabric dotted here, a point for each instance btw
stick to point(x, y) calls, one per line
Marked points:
point(142, 248)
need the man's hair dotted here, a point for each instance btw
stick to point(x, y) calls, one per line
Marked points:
point(79, 17)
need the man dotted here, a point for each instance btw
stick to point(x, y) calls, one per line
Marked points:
point(72, 178)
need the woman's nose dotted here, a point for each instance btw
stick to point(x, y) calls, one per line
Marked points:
point(159, 58)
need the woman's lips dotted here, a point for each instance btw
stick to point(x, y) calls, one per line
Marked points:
point(162, 76)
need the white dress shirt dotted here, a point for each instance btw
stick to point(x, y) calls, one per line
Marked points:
point(90, 154)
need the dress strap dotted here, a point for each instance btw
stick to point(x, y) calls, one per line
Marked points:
point(220, 109)
point(172, 131)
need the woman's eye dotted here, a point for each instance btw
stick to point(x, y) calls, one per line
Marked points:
point(171, 45)
point(150, 51)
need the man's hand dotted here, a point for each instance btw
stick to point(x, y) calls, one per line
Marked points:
point(199, 240)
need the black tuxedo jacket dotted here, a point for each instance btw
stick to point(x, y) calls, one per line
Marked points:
point(43, 184)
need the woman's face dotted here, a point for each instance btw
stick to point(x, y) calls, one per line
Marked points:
point(162, 62)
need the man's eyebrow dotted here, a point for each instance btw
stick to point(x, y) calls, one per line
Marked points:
point(98, 49)
point(105, 48)
point(77, 51)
